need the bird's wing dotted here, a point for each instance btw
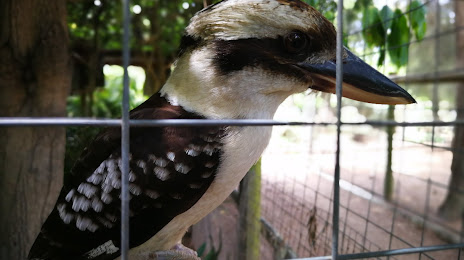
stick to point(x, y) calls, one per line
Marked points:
point(170, 169)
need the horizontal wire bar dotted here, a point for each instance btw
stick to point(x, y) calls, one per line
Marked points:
point(403, 251)
point(435, 184)
point(434, 146)
point(441, 76)
point(315, 258)
point(148, 123)
point(446, 148)
point(57, 121)
point(405, 124)
point(393, 252)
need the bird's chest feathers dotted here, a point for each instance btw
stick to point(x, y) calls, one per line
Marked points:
point(242, 148)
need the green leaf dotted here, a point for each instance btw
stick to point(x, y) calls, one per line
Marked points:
point(417, 19)
point(311, 2)
point(381, 58)
point(398, 40)
point(386, 15)
point(362, 5)
point(211, 255)
point(373, 33)
point(201, 249)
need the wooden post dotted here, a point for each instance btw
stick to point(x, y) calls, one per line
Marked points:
point(35, 78)
point(250, 215)
point(389, 182)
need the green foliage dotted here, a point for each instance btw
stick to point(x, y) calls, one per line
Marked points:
point(105, 103)
point(213, 253)
point(95, 27)
point(374, 32)
point(363, 4)
point(76, 140)
point(159, 24)
point(417, 19)
point(389, 31)
point(398, 40)
point(384, 30)
point(327, 8)
point(201, 249)
point(386, 16)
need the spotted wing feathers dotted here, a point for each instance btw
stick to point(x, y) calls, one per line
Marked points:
point(170, 169)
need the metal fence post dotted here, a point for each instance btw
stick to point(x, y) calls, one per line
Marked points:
point(339, 81)
point(125, 135)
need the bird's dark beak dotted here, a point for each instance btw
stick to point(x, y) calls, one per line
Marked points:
point(360, 81)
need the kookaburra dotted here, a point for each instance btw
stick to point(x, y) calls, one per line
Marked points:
point(238, 59)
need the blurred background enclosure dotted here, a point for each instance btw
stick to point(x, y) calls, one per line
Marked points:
point(402, 184)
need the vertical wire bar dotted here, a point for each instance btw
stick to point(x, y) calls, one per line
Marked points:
point(329, 212)
point(302, 216)
point(350, 194)
point(395, 214)
point(461, 240)
point(435, 100)
point(366, 227)
point(125, 136)
point(426, 213)
point(339, 81)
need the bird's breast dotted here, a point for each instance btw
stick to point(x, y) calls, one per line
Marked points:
point(242, 148)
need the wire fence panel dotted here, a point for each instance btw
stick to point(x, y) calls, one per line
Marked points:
point(307, 211)
point(408, 226)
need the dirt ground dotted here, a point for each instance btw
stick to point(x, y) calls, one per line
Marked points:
point(297, 200)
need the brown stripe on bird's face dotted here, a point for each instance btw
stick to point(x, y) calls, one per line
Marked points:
point(278, 55)
point(187, 43)
point(269, 54)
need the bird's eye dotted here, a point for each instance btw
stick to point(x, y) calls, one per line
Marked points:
point(295, 42)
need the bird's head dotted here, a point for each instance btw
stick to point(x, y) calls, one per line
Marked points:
point(242, 58)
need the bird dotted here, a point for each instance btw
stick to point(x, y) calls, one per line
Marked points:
point(238, 59)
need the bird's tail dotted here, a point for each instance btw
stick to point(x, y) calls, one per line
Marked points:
point(44, 247)
point(38, 251)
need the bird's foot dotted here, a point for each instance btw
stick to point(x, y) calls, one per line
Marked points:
point(177, 252)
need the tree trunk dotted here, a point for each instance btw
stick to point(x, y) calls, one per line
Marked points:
point(206, 3)
point(35, 78)
point(453, 206)
point(155, 68)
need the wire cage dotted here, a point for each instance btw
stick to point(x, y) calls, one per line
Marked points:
point(324, 199)
point(406, 225)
